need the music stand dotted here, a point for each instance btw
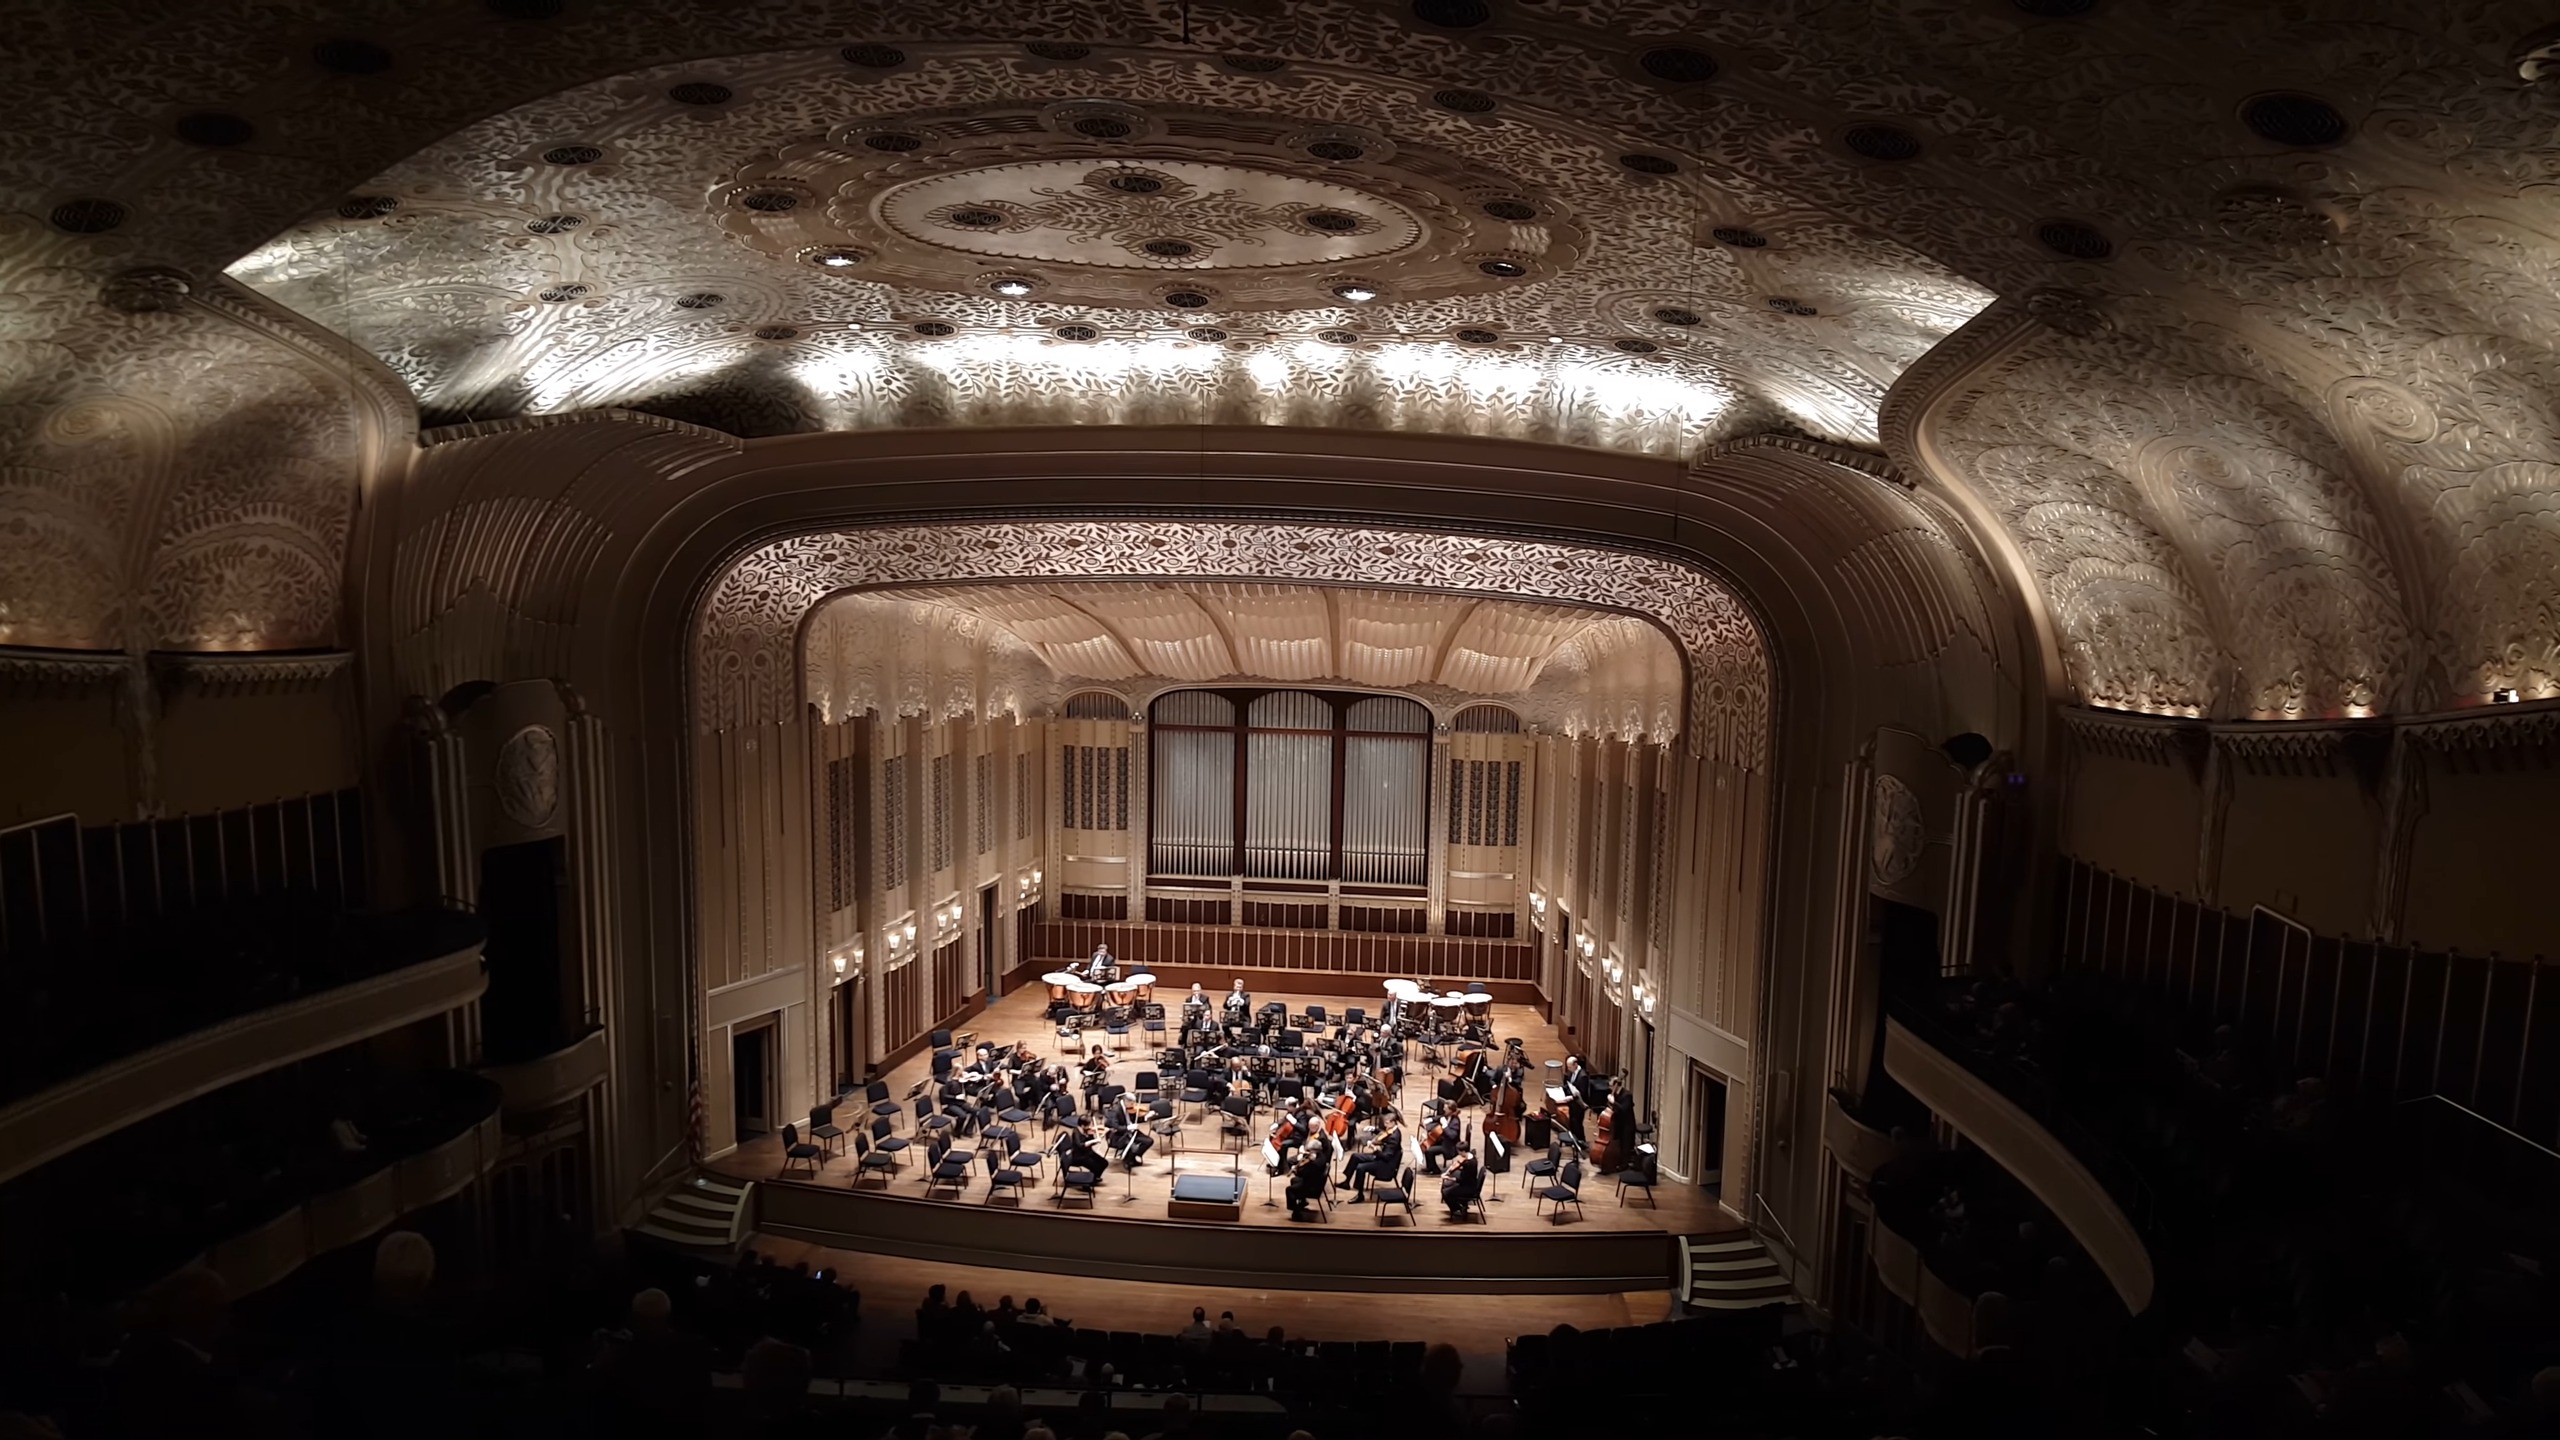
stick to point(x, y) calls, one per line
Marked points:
point(1271, 1173)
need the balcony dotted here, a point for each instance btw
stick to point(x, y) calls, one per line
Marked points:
point(391, 971)
point(2023, 1146)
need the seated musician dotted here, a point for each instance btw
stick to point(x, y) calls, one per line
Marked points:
point(1097, 1068)
point(1239, 1003)
point(1444, 1138)
point(1129, 1140)
point(1103, 967)
point(1076, 1151)
point(1306, 1182)
point(1462, 1184)
point(1381, 1161)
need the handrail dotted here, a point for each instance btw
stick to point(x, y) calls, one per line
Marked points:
point(1761, 1200)
point(2453, 1104)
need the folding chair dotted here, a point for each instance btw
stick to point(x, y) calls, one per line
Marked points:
point(1001, 1176)
point(795, 1149)
point(1566, 1191)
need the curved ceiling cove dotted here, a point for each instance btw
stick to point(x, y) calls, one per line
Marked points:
point(980, 235)
point(1505, 614)
point(962, 647)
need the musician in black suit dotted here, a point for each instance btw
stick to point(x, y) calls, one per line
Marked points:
point(1443, 1140)
point(1380, 1162)
point(1076, 1151)
point(1129, 1139)
point(1460, 1187)
point(1306, 1182)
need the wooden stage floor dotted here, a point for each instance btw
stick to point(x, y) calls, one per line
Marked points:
point(1021, 1016)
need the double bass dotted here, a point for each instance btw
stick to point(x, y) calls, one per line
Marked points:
point(1508, 1103)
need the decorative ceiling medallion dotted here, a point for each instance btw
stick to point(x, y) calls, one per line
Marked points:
point(1095, 200)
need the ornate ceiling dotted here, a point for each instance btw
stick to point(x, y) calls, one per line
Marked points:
point(955, 233)
point(1018, 646)
point(2264, 418)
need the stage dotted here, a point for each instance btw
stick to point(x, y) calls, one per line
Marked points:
point(1131, 1230)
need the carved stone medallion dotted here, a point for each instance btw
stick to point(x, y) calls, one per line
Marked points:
point(528, 776)
point(1898, 835)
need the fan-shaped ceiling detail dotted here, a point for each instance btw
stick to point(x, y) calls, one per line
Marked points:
point(949, 649)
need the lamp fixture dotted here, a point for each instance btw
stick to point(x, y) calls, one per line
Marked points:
point(2504, 696)
point(1012, 287)
point(839, 959)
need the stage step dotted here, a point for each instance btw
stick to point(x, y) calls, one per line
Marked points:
point(1727, 1272)
point(704, 1213)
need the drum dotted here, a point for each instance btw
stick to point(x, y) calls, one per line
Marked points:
point(1479, 1007)
point(1083, 994)
point(1146, 984)
point(1121, 991)
point(1448, 1006)
point(1057, 981)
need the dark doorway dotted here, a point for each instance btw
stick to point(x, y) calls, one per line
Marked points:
point(1707, 1096)
point(751, 1079)
point(848, 1045)
point(532, 1006)
point(989, 962)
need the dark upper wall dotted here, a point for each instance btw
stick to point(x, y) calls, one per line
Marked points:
point(239, 731)
point(2429, 832)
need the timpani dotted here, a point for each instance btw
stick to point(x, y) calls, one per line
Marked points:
point(1479, 1007)
point(1057, 981)
point(1083, 994)
point(1146, 984)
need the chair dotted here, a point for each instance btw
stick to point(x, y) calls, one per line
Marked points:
point(824, 1129)
point(993, 1134)
point(1537, 1170)
point(797, 1150)
point(941, 1039)
point(1641, 1180)
point(1400, 1193)
point(928, 1123)
point(1070, 1039)
point(869, 1157)
point(1239, 1122)
point(876, 1095)
point(1001, 1176)
point(1028, 1162)
point(1315, 1017)
point(1154, 1026)
point(1076, 1182)
point(1195, 1092)
point(1116, 1027)
point(1147, 1086)
point(1567, 1189)
point(949, 1171)
point(1356, 1015)
point(885, 1143)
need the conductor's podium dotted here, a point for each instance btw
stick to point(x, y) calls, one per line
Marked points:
point(1207, 1197)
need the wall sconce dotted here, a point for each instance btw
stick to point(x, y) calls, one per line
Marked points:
point(839, 960)
point(1537, 903)
point(911, 930)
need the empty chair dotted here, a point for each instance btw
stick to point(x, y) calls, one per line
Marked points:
point(1476, 987)
point(950, 1172)
point(824, 1129)
point(1001, 1177)
point(1195, 1092)
point(869, 1158)
point(796, 1151)
point(941, 1040)
point(883, 1142)
point(928, 1123)
point(1238, 1123)
point(876, 1095)
point(1400, 1193)
point(1639, 1179)
point(1356, 1015)
point(1116, 1026)
point(1540, 1171)
point(1147, 1085)
point(994, 1134)
point(1566, 1191)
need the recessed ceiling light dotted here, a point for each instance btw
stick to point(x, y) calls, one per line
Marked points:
point(1014, 288)
point(1356, 294)
point(836, 260)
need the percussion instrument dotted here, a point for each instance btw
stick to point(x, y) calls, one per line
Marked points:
point(1448, 1005)
point(1121, 989)
point(1146, 984)
point(1083, 994)
point(1057, 981)
point(1479, 1007)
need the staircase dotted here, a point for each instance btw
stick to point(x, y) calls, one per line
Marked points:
point(1730, 1272)
point(706, 1214)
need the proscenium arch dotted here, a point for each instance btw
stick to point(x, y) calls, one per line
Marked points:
point(747, 632)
